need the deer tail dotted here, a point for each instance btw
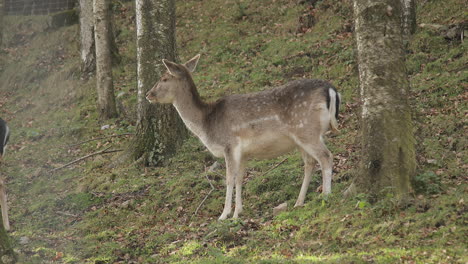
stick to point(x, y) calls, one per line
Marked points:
point(334, 107)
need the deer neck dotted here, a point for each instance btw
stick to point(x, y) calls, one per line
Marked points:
point(192, 110)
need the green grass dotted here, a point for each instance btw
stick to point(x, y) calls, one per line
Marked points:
point(90, 213)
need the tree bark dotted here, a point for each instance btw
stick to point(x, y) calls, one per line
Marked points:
point(88, 56)
point(2, 10)
point(408, 19)
point(7, 255)
point(388, 154)
point(159, 128)
point(104, 81)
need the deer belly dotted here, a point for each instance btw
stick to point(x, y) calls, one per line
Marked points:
point(266, 145)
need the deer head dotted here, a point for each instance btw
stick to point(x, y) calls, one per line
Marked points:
point(166, 90)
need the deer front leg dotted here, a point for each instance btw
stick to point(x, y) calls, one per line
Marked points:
point(234, 173)
point(229, 190)
point(230, 178)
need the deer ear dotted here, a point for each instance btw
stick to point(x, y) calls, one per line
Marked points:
point(192, 63)
point(173, 68)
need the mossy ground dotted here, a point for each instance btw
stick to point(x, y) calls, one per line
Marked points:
point(90, 213)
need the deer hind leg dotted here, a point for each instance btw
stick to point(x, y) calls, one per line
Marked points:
point(320, 152)
point(309, 164)
point(4, 205)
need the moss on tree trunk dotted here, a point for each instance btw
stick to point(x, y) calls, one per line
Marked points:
point(388, 157)
point(160, 130)
point(7, 255)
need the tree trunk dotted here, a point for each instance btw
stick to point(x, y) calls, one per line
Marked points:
point(7, 255)
point(2, 8)
point(88, 57)
point(159, 128)
point(408, 19)
point(104, 82)
point(388, 155)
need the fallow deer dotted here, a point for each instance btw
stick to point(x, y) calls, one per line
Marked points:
point(257, 125)
point(4, 135)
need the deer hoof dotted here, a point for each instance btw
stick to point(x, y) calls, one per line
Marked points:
point(319, 189)
point(298, 204)
point(223, 217)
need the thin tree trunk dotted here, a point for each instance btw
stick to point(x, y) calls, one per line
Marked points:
point(105, 86)
point(388, 154)
point(2, 8)
point(159, 128)
point(408, 19)
point(87, 50)
point(2, 14)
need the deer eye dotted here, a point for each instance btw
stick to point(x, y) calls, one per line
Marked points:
point(164, 80)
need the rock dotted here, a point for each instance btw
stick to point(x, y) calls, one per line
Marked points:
point(450, 32)
point(280, 208)
point(24, 240)
point(7, 259)
point(127, 204)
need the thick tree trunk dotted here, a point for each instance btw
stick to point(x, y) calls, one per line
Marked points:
point(7, 255)
point(105, 86)
point(159, 128)
point(388, 154)
point(88, 57)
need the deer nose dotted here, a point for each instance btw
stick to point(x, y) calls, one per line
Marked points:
point(150, 96)
point(150, 93)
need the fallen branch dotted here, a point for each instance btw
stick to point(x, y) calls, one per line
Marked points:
point(104, 151)
point(66, 214)
point(99, 138)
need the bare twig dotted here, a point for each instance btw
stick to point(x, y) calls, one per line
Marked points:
point(206, 197)
point(104, 151)
point(300, 54)
point(274, 167)
point(99, 138)
point(213, 188)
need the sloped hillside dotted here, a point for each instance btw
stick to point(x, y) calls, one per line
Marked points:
point(90, 213)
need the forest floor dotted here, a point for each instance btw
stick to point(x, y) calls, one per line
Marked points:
point(89, 212)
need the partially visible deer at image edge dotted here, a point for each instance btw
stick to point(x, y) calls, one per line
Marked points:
point(257, 125)
point(4, 135)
